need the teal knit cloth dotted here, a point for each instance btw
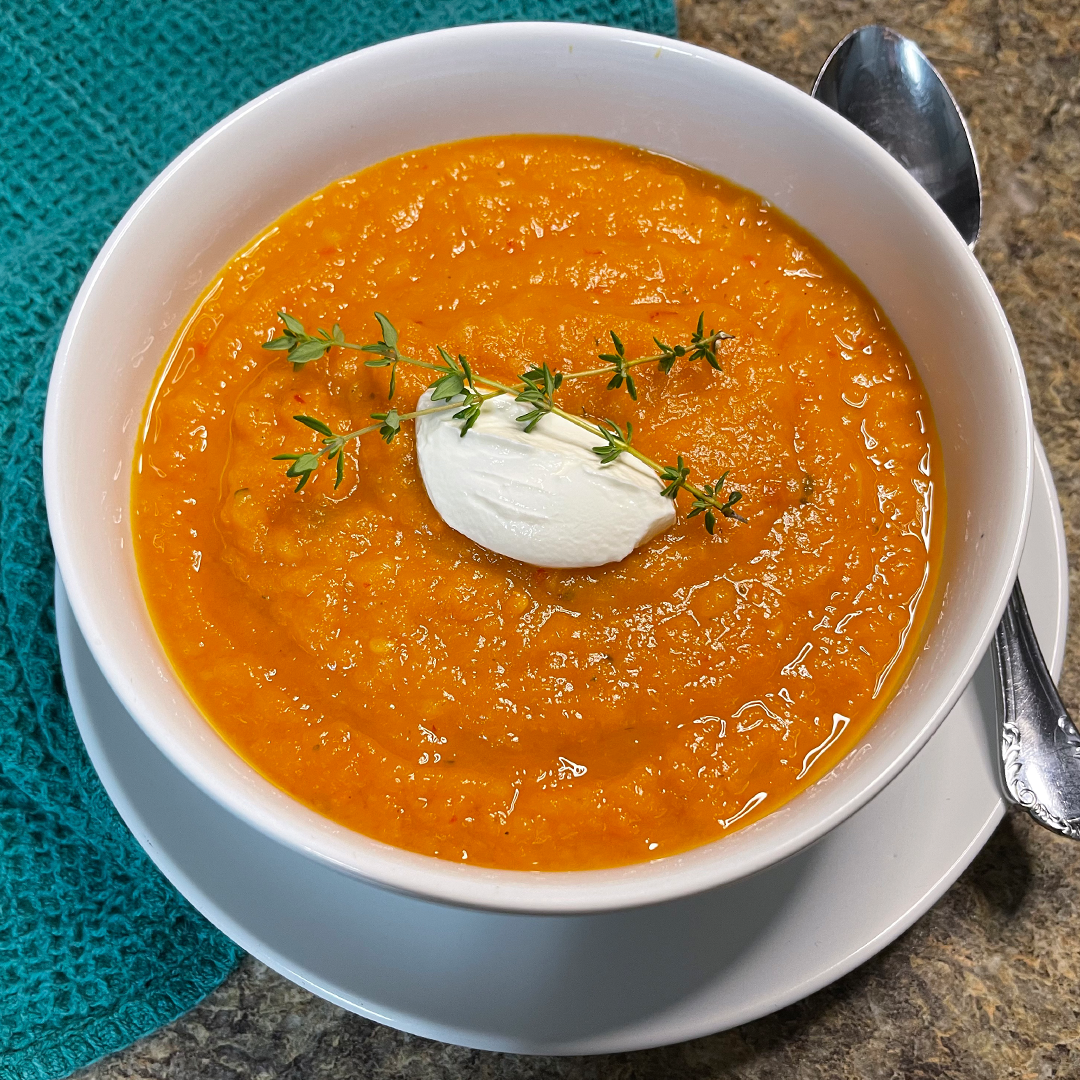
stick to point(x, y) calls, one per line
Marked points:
point(96, 948)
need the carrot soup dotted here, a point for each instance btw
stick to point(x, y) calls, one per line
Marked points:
point(403, 680)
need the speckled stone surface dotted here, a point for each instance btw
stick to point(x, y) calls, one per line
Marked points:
point(987, 984)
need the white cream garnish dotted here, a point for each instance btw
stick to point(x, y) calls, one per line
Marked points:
point(542, 497)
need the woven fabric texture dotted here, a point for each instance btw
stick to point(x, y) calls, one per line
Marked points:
point(96, 948)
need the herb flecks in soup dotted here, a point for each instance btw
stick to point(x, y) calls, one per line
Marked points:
point(423, 690)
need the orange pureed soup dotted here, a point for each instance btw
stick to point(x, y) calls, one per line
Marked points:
point(398, 678)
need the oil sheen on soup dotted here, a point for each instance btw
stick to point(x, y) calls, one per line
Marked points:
point(396, 677)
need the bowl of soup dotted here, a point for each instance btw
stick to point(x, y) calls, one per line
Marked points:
point(358, 675)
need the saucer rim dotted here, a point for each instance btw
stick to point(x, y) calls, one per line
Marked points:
point(416, 1024)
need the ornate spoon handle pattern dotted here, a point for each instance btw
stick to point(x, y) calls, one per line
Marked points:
point(1040, 746)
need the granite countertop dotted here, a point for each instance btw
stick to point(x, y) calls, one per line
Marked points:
point(986, 983)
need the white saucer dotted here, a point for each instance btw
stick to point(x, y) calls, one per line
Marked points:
point(593, 983)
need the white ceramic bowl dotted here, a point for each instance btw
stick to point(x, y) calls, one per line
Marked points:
point(673, 98)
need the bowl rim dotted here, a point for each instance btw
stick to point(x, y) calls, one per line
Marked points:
point(426, 876)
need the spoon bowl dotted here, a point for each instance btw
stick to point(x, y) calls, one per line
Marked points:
point(883, 83)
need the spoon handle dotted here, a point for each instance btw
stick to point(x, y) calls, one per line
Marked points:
point(1040, 746)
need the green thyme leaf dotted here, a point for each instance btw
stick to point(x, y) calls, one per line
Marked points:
point(305, 463)
point(390, 335)
point(314, 424)
point(306, 351)
point(447, 387)
point(292, 324)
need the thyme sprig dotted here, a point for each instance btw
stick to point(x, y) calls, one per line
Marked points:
point(386, 347)
point(303, 347)
point(616, 441)
point(466, 391)
point(458, 382)
point(538, 390)
point(622, 367)
point(702, 347)
point(333, 444)
point(708, 503)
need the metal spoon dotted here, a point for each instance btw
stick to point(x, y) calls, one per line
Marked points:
point(881, 82)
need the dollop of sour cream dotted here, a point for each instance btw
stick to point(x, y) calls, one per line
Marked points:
point(542, 497)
